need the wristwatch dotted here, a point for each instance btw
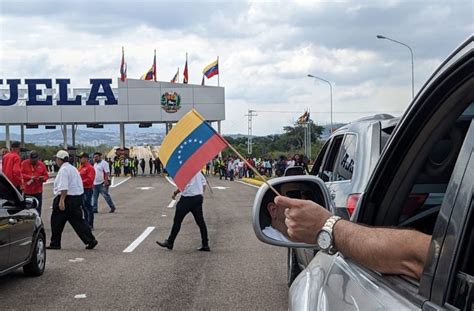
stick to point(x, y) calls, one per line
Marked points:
point(324, 239)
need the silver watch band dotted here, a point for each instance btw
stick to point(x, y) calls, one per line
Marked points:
point(329, 227)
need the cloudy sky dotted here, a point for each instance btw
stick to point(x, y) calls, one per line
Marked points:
point(266, 49)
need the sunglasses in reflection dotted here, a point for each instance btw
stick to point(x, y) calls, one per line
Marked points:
point(299, 194)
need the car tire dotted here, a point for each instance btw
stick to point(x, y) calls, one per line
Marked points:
point(293, 267)
point(37, 262)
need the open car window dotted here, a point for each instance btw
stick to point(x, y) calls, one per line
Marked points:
point(422, 206)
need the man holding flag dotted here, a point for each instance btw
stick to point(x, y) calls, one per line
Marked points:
point(185, 150)
point(190, 202)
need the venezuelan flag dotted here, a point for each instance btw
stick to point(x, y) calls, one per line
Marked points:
point(148, 75)
point(211, 70)
point(188, 147)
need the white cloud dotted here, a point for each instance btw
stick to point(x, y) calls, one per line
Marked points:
point(266, 49)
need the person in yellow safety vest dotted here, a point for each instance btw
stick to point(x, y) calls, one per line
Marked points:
point(131, 166)
point(221, 166)
point(117, 166)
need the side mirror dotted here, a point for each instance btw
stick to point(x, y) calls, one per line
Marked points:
point(269, 219)
point(31, 203)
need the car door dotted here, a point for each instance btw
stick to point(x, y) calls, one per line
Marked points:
point(422, 181)
point(21, 224)
point(4, 236)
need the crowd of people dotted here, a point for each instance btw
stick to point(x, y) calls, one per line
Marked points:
point(128, 166)
point(232, 167)
point(77, 186)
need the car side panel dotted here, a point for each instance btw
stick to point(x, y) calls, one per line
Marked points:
point(334, 283)
point(22, 234)
point(4, 240)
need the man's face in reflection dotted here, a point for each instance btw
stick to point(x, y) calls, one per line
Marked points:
point(277, 213)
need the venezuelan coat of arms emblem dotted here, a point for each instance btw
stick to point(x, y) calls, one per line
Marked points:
point(170, 102)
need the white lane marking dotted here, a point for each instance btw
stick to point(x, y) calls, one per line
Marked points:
point(112, 183)
point(76, 260)
point(145, 188)
point(247, 184)
point(80, 296)
point(170, 181)
point(100, 234)
point(220, 188)
point(140, 239)
point(171, 205)
point(163, 215)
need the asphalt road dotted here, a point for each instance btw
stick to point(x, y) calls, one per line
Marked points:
point(239, 273)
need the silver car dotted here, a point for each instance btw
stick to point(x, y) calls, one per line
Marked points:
point(424, 180)
point(345, 164)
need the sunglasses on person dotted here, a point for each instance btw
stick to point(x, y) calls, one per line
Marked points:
point(299, 194)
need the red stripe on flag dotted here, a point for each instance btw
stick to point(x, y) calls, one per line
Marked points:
point(197, 161)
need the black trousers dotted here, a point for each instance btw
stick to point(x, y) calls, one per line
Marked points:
point(184, 206)
point(71, 214)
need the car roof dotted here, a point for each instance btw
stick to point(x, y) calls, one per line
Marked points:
point(361, 124)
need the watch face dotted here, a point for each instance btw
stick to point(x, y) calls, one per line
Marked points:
point(324, 240)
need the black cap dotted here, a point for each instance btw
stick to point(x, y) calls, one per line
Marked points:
point(98, 153)
point(83, 155)
point(15, 144)
point(34, 155)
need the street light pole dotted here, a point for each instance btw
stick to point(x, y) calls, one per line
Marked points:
point(412, 62)
point(330, 93)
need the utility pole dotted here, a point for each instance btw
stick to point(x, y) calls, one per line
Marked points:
point(250, 114)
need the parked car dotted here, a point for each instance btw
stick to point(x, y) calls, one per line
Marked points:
point(345, 164)
point(424, 180)
point(22, 236)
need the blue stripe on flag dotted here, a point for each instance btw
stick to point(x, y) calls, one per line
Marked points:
point(188, 146)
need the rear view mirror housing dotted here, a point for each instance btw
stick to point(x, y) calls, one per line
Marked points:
point(266, 225)
point(31, 203)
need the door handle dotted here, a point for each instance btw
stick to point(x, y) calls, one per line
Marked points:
point(12, 221)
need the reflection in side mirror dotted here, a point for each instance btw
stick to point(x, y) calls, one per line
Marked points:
point(31, 203)
point(269, 219)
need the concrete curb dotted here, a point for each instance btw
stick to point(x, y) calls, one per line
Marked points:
point(253, 181)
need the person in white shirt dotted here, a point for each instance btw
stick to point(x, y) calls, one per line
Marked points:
point(101, 183)
point(67, 204)
point(190, 202)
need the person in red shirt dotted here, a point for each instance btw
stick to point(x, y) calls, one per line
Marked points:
point(11, 165)
point(34, 174)
point(87, 172)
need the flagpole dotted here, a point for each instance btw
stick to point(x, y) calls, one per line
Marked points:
point(218, 73)
point(249, 165)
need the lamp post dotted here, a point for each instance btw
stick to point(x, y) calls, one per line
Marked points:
point(330, 91)
point(412, 63)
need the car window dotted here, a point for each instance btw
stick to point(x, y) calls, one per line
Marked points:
point(319, 160)
point(347, 158)
point(330, 159)
point(7, 194)
point(423, 204)
point(385, 135)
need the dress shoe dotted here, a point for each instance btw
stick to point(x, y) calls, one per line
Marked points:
point(204, 249)
point(112, 210)
point(165, 243)
point(96, 211)
point(53, 247)
point(92, 244)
